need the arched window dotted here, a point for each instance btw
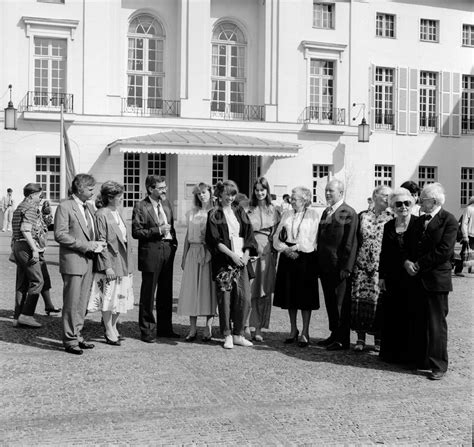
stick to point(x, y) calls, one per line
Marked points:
point(145, 64)
point(228, 70)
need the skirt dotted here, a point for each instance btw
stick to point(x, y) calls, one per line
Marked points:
point(114, 296)
point(296, 284)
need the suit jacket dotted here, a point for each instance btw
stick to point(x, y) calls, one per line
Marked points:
point(433, 249)
point(72, 235)
point(4, 202)
point(337, 240)
point(118, 253)
point(145, 228)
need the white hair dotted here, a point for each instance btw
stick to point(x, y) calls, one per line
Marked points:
point(400, 192)
point(338, 183)
point(304, 193)
point(434, 191)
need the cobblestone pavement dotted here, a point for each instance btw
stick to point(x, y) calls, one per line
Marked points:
point(177, 393)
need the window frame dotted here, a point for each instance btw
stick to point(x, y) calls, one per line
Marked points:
point(427, 34)
point(331, 14)
point(427, 100)
point(470, 34)
point(467, 104)
point(384, 25)
point(383, 178)
point(387, 121)
point(425, 177)
point(219, 168)
point(49, 173)
point(319, 171)
point(466, 185)
point(317, 110)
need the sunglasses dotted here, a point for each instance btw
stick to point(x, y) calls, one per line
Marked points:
point(406, 203)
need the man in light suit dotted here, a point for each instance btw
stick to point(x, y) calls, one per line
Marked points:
point(7, 208)
point(153, 226)
point(430, 250)
point(75, 233)
point(336, 249)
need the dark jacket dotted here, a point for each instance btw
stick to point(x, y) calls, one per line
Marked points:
point(217, 232)
point(145, 228)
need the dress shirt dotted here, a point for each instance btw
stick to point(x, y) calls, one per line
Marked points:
point(468, 222)
point(81, 206)
point(332, 208)
point(155, 208)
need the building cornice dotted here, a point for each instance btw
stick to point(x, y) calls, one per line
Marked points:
point(62, 25)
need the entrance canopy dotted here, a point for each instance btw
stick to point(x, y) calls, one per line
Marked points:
point(185, 142)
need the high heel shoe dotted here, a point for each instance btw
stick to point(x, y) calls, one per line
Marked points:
point(52, 310)
point(111, 342)
point(304, 342)
point(189, 338)
point(207, 337)
point(292, 339)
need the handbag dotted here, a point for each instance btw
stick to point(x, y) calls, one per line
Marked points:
point(283, 236)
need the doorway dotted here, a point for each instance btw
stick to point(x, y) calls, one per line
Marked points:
point(243, 170)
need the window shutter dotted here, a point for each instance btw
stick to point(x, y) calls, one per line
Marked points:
point(372, 96)
point(413, 103)
point(456, 102)
point(402, 100)
point(445, 106)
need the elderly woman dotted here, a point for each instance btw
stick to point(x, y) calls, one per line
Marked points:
point(394, 281)
point(197, 296)
point(112, 287)
point(365, 281)
point(28, 242)
point(230, 238)
point(296, 281)
point(264, 217)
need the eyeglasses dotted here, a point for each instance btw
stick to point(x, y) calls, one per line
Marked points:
point(406, 203)
point(426, 198)
point(161, 188)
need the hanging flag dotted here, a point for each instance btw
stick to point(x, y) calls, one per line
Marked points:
point(70, 168)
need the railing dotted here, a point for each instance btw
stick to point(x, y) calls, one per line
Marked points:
point(428, 122)
point(467, 125)
point(237, 111)
point(384, 121)
point(323, 115)
point(46, 102)
point(150, 107)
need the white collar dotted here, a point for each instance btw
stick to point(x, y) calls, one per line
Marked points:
point(154, 202)
point(78, 200)
point(434, 212)
point(336, 205)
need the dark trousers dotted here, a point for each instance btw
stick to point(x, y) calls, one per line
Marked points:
point(234, 306)
point(432, 329)
point(459, 263)
point(157, 287)
point(338, 305)
point(29, 280)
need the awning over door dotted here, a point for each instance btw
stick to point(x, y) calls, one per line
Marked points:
point(205, 143)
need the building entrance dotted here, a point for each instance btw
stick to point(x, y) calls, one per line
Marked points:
point(244, 171)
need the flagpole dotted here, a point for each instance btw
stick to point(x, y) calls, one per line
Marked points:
point(62, 158)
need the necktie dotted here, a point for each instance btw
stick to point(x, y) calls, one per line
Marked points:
point(90, 225)
point(329, 211)
point(427, 220)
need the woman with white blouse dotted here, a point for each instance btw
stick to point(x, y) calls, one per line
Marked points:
point(296, 285)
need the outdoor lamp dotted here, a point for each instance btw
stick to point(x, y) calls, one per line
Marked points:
point(10, 113)
point(363, 131)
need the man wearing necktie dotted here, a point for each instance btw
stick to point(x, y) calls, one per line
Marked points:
point(75, 234)
point(153, 226)
point(430, 250)
point(336, 250)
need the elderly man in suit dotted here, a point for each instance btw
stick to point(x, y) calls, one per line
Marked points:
point(336, 249)
point(153, 226)
point(75, 233)
point(430, 250)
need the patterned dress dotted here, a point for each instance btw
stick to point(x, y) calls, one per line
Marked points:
point(365, 282)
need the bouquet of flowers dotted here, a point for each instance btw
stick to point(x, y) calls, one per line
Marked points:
point(226, 277)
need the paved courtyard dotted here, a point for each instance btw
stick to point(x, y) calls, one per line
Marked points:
point(177, 393)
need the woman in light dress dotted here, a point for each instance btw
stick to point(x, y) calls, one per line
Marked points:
point(197, 296)
point(264, 218)
point(112, 287)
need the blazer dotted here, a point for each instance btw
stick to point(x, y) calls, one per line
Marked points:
point(433, 249)
point(337, 240)
point(118, 254)
point(217, 231)
point(145, 228)
point(72, 235)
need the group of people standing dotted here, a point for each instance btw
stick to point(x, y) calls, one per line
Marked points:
point(384, 272)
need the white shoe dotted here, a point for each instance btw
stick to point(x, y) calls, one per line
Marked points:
point(228, 343)
point(242, 341)
point(27, 320)
point(15, 322)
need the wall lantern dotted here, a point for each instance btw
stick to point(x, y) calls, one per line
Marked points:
point(10, 113)
point(363, 129)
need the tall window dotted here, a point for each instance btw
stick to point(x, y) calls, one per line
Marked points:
point(321, 89)
point(467, 123)
point(47, 175)
point(384, 83)
point(467, 184)
point(50, 62)
point(468, 35)
point(383, 175)
point(145, 68)
point(429, 30)
point(323, 15)
point(320, 179)
point(427, 174)
point(428, 118)
point(157, 164)
point(228, 71)
point(385, 25)
point(218, 168)
point(131, 178)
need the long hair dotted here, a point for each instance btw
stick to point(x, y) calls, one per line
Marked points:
point(197, 190)
point(263, 182)
point(108, 191)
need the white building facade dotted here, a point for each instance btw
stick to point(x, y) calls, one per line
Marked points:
point(202, 90)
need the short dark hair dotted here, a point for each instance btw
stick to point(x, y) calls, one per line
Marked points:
point(152, 180)
point(262, 181)
point(108, 191)
point(9, 190)
point(31, 188)
point(411, 186)
point(286, 198)
point(80, 182)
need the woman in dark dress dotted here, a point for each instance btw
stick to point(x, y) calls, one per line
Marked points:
point(396, 285)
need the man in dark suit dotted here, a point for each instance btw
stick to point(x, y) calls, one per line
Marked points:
point(153, 226)
point(336, 248)
point(430, 251)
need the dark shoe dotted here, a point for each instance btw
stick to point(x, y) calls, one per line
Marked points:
point(436, 375)
point(84, 345)
point(304, 342)
point(52, 310)
point(74, 350)
point(111, 342)
point(207, 337)
point(293, 339)
point(148, 339)
point(189, 338)
point(336, 346)
point(460, 274)
point(168, 335)
point(120, 337)
point(326, 342)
